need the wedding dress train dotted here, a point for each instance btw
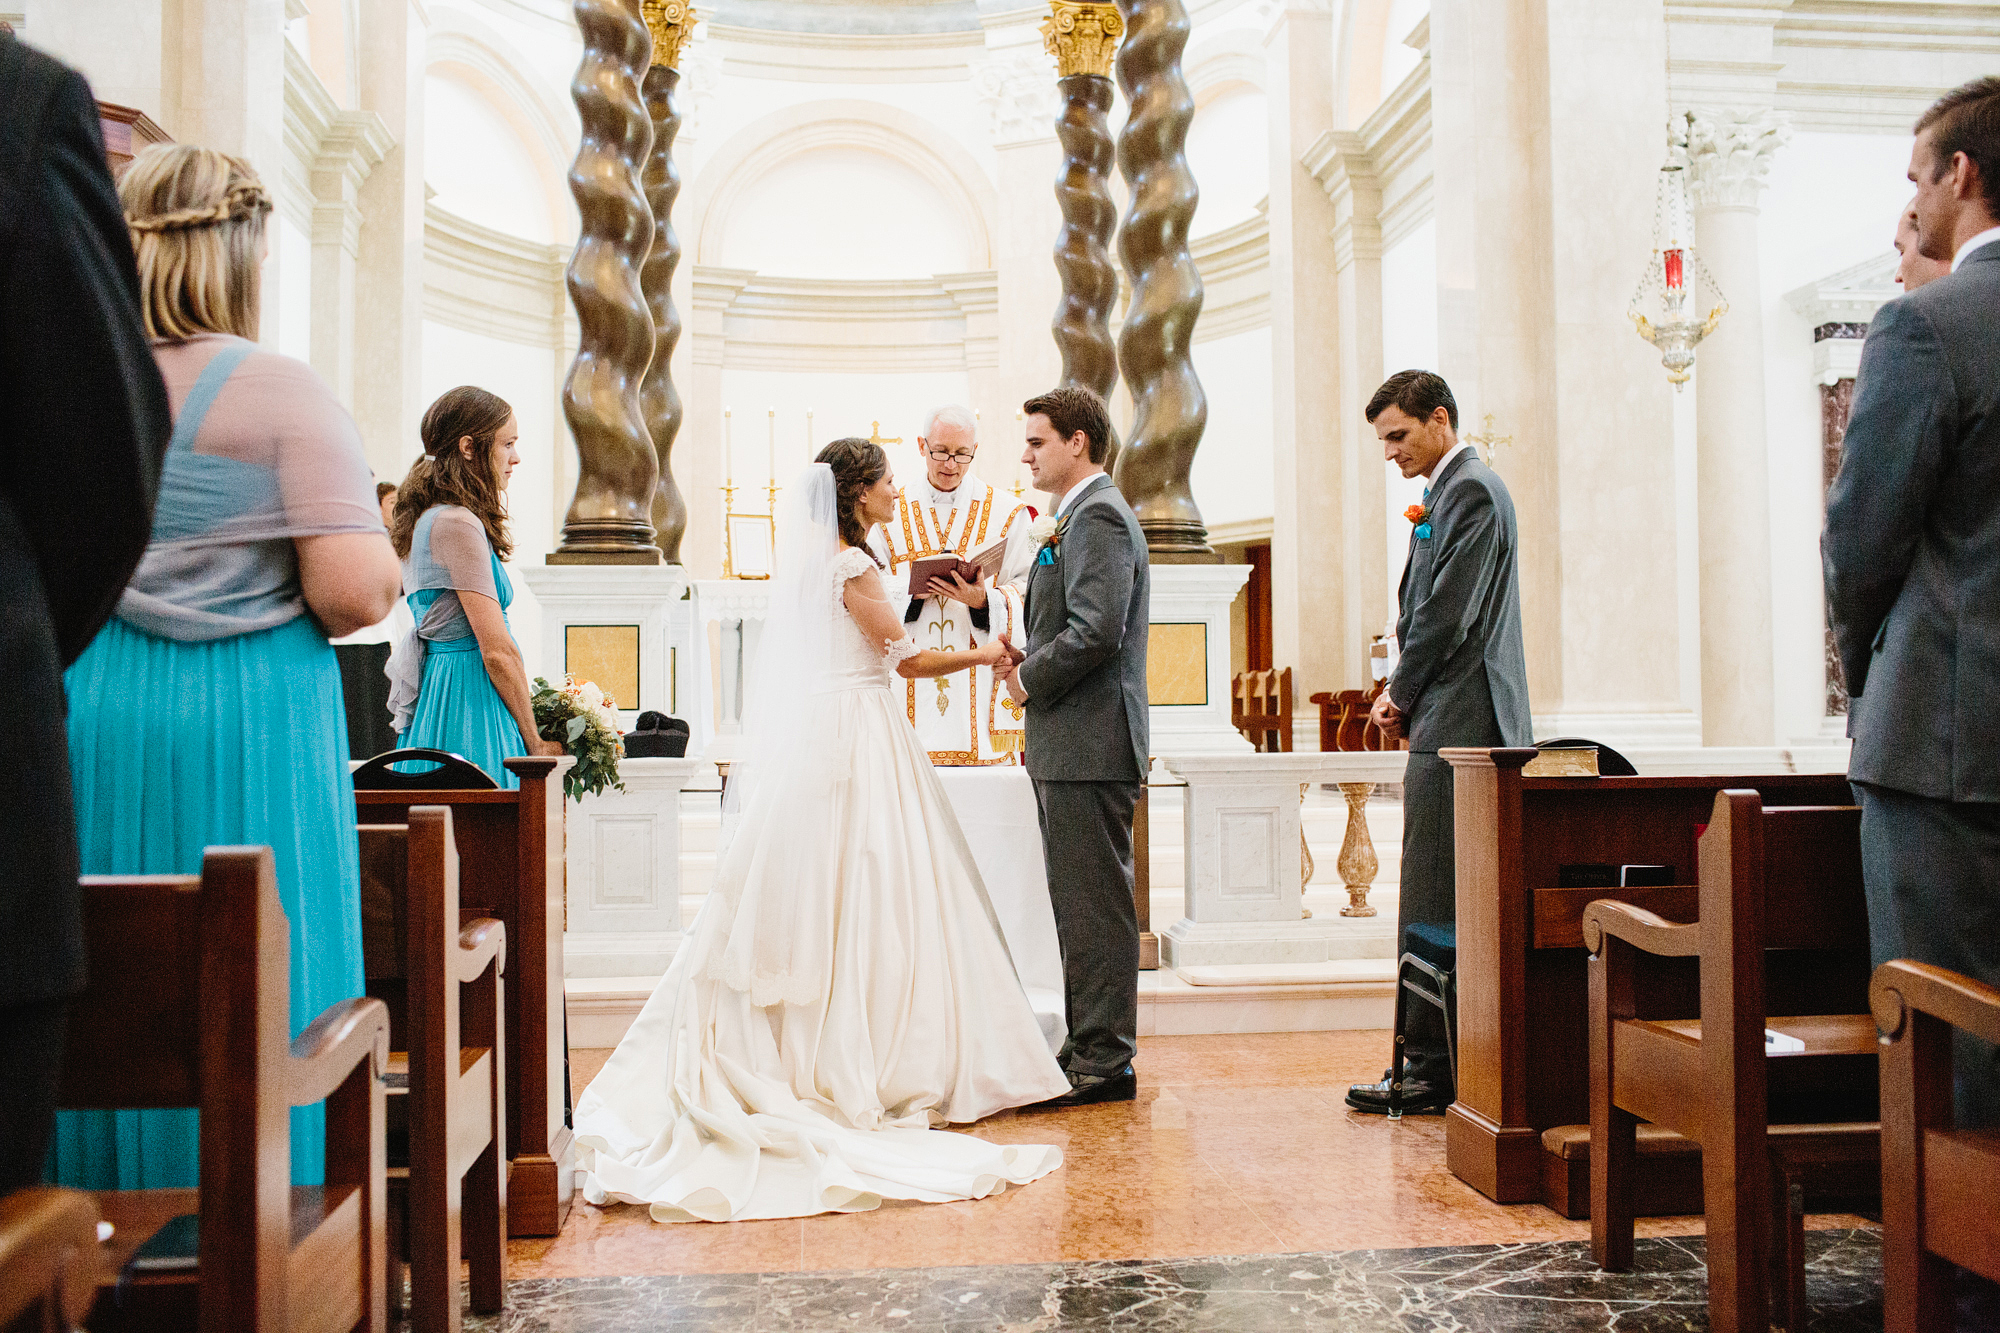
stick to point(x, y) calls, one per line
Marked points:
point(845, 987)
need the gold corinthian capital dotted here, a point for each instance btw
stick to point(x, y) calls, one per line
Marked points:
point(1082, 36)
point(672, 23)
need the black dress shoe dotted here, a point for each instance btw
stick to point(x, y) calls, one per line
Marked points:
point(1419, 1098)
point(1088, 1089)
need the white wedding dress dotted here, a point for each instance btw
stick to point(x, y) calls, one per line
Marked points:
point(845, 987)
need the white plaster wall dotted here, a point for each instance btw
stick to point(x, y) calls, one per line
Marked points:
point(1409, 342)
point(1833, 201)
point(478, 164)
point(521, 375)
point(841, 212)
point(841, 405)
point(1399, 59)
point(1228, 152)
point(1234, 467)
point(290, 267)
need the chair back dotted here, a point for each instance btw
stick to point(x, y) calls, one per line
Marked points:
point(438, 770)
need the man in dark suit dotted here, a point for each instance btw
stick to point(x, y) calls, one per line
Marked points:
point(80, 443)
point(1461, 677)
point(1911, 555)
point(1082, 680)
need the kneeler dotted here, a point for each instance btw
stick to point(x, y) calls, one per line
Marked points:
point(1937, 1179)
point(1781, 916)
point(442, 983)
point(188, 1005)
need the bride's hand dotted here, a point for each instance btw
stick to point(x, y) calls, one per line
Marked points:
point(993, 653)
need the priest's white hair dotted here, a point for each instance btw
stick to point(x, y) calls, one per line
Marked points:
point(951, 414)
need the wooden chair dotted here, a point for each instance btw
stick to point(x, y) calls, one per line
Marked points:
point(1261, 708)
point(1781, 914)
point(188, 1005)
point(446, 1066)
point(1937, 1181)
point(48, 1259)
point(1343, 720)
point(510, 850)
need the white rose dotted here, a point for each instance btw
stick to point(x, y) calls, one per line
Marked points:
point(593, 698)
point(1042, 529)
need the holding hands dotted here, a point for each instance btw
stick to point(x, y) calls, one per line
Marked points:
point(1386, 715)
point(1010, 670)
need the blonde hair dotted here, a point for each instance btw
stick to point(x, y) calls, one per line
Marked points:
point(197, 219)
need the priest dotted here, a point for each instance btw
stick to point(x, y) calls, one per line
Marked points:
point(965, 720)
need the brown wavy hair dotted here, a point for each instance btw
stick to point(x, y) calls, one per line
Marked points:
point(856, 465)
point(445, 476)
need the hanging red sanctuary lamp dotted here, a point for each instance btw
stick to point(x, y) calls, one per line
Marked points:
point(1660, 307)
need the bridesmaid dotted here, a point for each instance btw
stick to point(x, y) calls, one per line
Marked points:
point(458, 683)
point(209, 710)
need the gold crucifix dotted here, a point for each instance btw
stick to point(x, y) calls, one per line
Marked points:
point(1488, 440)
point(875, 435)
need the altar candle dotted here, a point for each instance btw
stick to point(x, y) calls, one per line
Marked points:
point(771, 448)
point(809, 432)
point(1674, 271)
point(728, 450)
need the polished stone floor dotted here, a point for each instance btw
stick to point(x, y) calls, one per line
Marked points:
point(1237, 1193)
point(1544, 1286)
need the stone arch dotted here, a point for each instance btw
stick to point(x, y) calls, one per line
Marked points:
point(459, 48)
point(766, 143)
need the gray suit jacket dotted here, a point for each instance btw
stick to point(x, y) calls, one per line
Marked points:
point(1088, 613)
point(1462, 676)
point(1912, 544)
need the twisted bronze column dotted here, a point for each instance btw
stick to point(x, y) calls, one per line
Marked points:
point(671, 23)
point(1083, 37)
point(1169, 408)
point(610, 519)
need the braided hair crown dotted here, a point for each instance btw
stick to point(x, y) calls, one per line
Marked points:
point(197, 219)
point(857, 464)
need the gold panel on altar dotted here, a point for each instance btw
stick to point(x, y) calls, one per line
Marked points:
point(606, 655)
point(1177, 664)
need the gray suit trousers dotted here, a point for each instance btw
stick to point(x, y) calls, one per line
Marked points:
point(1087, 847)
point(1428, 892)
point(1931, 869)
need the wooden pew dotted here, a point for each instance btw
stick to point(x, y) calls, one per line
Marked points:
point(1523, 1036)
point(510, 856)
point(48, 1259)
point(1937, 1180)
point(1260, 707)
point(1343, 720)
point(448, 1195)
point(188, 1006)
point(1774, 883)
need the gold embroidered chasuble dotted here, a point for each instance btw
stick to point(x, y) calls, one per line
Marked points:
point(964, 720)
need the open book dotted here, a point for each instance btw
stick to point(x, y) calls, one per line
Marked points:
point(983, 563)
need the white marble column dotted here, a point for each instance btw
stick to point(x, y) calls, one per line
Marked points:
point(1547, 126)
point(389, 263)
point(699, 463)
point(350, 146)
point(1728, 154)
point(1327, 547)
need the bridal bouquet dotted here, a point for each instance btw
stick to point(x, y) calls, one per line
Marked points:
point(584, 719)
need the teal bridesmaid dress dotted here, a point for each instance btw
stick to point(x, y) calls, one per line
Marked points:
point(457, 708)
point(179, 745)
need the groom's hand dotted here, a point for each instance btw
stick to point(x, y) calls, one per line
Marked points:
point(1012, 680)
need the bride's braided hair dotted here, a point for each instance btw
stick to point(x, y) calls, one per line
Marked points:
point(856, 465)
point(197, 220)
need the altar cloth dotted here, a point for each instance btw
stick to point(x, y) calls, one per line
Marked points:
point(996, 808)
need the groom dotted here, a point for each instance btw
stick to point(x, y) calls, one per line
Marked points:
point(1082, 680)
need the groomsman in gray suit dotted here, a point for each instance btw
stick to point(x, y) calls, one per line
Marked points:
point(1082, 680)
point(1461, 676)
point(1911, 555)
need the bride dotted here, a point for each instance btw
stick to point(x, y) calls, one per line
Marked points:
point(845, 986)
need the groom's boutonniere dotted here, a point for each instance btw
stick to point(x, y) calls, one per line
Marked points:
point(1421, 516)
point(1046, 534)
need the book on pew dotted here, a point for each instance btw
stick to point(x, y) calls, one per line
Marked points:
point(983, 563)
point(174, 1248)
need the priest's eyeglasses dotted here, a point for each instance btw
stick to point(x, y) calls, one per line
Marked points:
point(962, 457)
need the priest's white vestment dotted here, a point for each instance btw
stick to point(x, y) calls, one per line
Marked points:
point(963, 720)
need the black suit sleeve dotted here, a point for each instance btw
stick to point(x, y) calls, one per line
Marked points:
point(1898, 443)
point(87, 417)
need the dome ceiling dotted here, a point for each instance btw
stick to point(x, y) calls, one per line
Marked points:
point(851, 17)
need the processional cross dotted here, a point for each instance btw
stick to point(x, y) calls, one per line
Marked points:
point(1488, 440)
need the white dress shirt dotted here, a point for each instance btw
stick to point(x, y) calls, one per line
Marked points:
point(1445, 462)
point(1987, 237)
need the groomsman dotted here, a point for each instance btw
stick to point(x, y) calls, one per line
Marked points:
point(1911, 555)
point(1460, 679)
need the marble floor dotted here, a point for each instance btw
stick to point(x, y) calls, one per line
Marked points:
point(1236, 1193)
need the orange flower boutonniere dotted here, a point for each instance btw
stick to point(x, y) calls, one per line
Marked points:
point(1421, 516)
